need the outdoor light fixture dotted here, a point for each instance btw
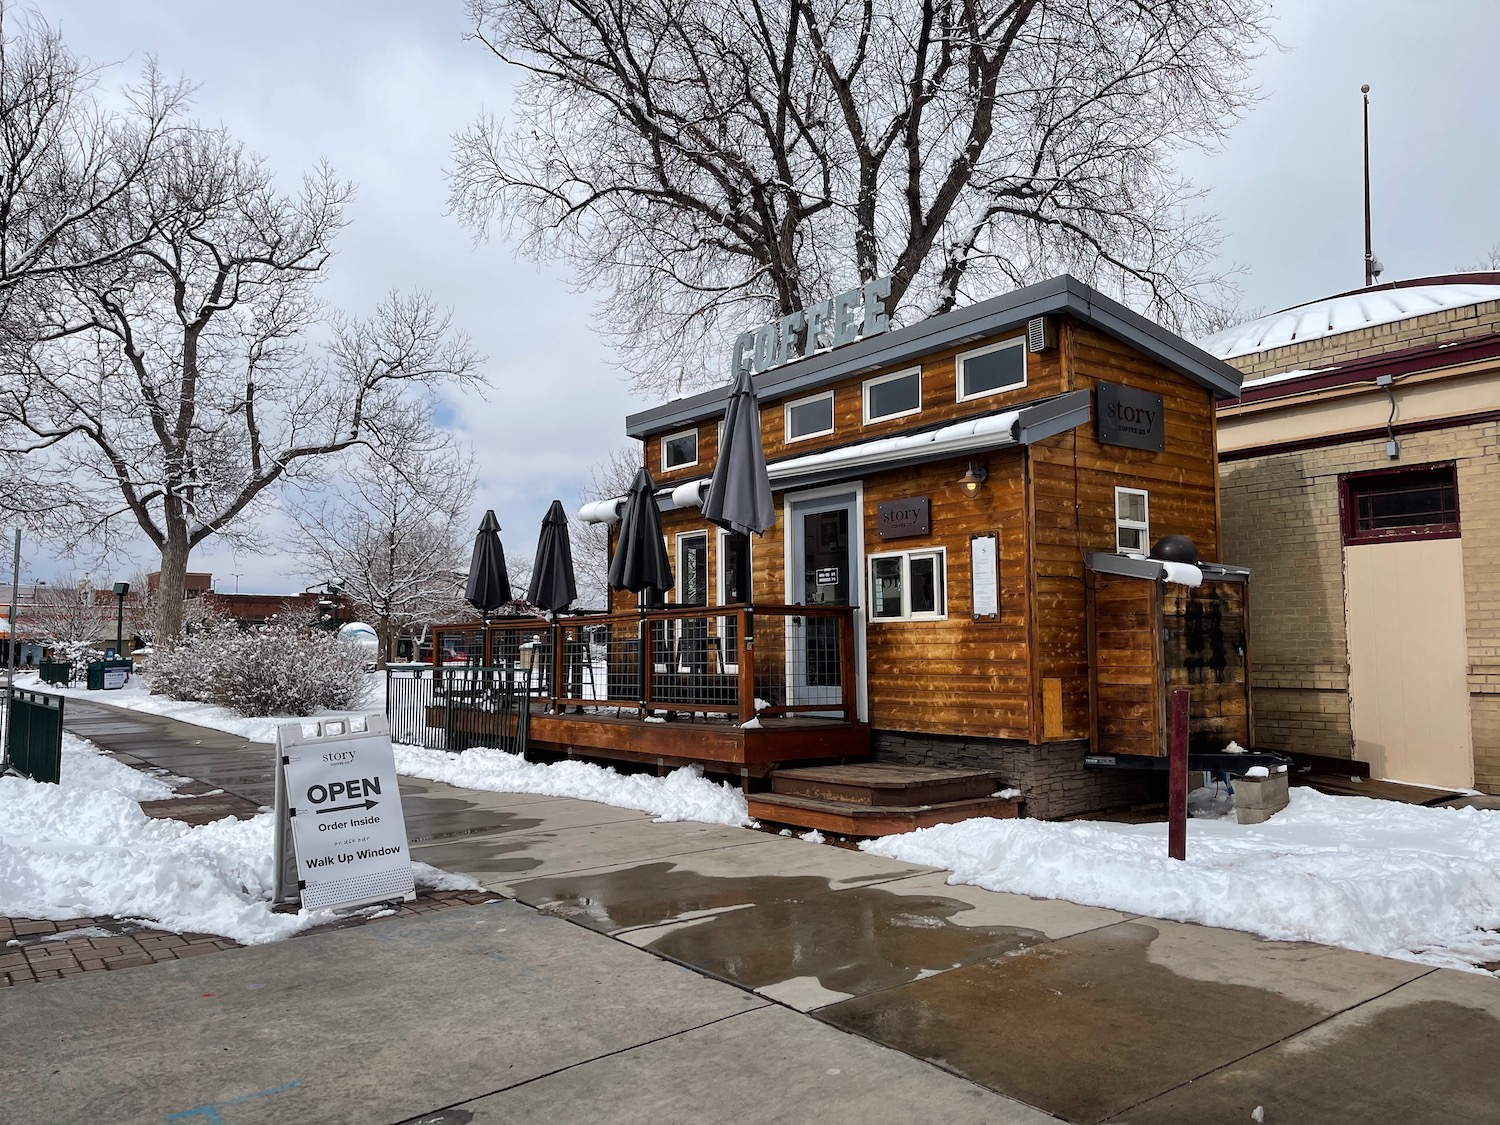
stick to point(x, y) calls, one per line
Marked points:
point(972, 479)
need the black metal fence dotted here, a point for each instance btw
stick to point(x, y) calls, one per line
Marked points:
point(454, 708)
point(34, 735)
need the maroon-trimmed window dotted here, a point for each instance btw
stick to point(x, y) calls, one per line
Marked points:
point(1392, 505)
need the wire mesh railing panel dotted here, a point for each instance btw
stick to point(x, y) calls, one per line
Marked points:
point(689, 660)
point(804, 660)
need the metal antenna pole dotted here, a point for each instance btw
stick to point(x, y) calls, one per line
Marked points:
point(1369, 250)
point(10, 662)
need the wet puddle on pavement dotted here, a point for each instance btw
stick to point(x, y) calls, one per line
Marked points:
point(1083, 1027)
point(765, 930)
point(1426, 1063)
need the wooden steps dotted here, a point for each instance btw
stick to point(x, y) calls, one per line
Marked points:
point(878, 799)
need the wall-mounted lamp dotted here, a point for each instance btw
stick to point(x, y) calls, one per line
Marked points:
point(972, 479)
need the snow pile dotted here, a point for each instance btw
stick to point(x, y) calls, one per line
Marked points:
point(1404, 881)
point(85, 848)
point(684, 794)
point(86, 767)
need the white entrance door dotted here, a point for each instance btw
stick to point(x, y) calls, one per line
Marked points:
point(822, 569)
point(1408, 661)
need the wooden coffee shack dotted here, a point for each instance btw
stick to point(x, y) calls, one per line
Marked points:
point(957, 581)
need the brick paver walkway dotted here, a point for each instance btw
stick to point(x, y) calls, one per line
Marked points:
point(36, 950)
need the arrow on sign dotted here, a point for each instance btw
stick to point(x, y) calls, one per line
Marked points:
point(365, 804)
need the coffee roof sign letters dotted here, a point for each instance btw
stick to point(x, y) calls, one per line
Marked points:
point(852, 315)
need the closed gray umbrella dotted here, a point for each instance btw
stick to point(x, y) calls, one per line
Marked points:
point(739, 496)
point(488, 587)
point(641, 561)
point(553, 587)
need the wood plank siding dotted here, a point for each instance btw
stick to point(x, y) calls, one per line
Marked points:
point(1072, 501)
point(1026, 674)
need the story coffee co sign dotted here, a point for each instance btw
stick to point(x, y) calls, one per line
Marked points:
point(852, 315)
point(339, 801)
point(1130, 417)
point(900, 519)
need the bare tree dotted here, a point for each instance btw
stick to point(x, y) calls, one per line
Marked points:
point(394, 537)
point(182, 386)
point(66, 616)
point(65, 161)
point(738, 159)
point(1488, 261)
point(610, 477)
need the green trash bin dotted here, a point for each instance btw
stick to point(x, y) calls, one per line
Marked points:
point(99, 678)
point(55, 672)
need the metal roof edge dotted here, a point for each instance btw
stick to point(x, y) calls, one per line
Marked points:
point(1064, 293)
point(1182, 356)
point(1107, 562)
point(1054, 415)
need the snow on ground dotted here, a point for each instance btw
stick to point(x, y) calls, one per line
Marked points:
point(85, 848)
point(137, 696)
point(85, 766)
point(684, 794)
point(1404, 881)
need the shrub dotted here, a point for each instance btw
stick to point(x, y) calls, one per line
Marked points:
point(284, 668)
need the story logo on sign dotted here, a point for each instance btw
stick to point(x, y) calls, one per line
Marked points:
point(338, 757)
point(1137, 419)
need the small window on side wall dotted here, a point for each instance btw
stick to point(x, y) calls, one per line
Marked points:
point(1393, 505)
point(679, 450)
point(1132, 521)
point(992, 369)
point(908, 586)
point(809, 417)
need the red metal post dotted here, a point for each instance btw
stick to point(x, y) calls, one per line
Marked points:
point(1177, 762)
point(744, 638)
point(559, 666)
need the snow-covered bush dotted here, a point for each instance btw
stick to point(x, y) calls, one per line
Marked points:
point(284, 668)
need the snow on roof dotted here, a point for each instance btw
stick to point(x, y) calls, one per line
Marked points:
point(1346, 313)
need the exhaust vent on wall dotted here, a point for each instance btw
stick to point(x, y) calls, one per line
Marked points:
point(1040, 335)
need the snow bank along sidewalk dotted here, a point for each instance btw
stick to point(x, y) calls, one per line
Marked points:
point(84, 848)
point(1403, 881)
point(684, 794)
point(136, 696)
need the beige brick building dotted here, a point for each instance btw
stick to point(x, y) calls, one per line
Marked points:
point(1360, 480)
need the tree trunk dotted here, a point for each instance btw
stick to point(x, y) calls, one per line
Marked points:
point(172, 591)
point(386, 631)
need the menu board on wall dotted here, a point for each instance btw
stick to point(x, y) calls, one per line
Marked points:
point(986, 575)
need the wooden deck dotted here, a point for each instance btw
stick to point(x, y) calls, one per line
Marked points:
point(724, 746)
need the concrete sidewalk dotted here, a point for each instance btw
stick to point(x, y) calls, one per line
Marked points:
point(1089, 1014)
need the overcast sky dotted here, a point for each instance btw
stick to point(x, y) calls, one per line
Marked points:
point(379, 86)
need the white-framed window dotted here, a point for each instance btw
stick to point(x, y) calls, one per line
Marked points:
point(909, 585)
point(809, 417)
point(679, 450)
point(1132, 521)
point(992, 369)
point(893, 396)
point(692, 568)
point(733, 588)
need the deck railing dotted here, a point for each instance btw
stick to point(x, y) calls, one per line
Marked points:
point(735, 662)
